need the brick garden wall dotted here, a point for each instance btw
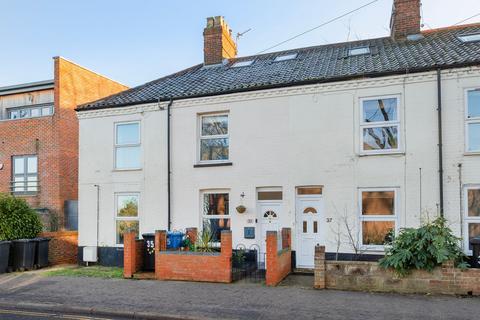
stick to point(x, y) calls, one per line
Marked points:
point(193, 266)
point(63, 247)
point(132, 254)
point(279, 262)
point(368, 276)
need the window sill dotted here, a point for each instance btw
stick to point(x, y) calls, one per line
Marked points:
point(24, 195)
point(472, 153)
point(126, 170)
point(212, 164)
point(393, 153)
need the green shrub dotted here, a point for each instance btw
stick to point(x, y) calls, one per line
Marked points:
point(17, 219)
point(423, 248)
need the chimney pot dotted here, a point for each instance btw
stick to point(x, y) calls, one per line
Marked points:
point(218, 43)
point(405, 20)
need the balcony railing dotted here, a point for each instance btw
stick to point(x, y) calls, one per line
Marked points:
point(25, 187)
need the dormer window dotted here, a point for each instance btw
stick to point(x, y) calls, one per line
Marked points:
point(245, 63)
point(285, 57)
point(358, 51)
point(470, 37)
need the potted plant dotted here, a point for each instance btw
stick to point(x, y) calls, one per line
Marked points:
point(20, 224)
point(241, 208)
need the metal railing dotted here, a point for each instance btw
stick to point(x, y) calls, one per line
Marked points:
point(25, 187)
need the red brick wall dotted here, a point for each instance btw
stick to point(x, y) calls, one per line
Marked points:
point(369, 276)
point(63, 247)
point(405, 18)
point(194, 266)
point(55, 138)
point(279, 263)
point(132, 254)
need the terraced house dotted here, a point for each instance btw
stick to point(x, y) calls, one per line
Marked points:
point(345, 143)
point(39, 137)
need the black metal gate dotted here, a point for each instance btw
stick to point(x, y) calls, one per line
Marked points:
point(248, 265)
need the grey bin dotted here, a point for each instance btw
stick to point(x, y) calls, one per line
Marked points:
point(475, 242)
point(23, 254)
point(41, 252)
point(4, 255)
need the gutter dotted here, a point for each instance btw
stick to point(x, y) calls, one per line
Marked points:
point(85, 107)
point(440, 139)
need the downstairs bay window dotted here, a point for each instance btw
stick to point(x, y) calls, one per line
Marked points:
point(378, 216)
point(126, 217)
point(472, 215)
point(215, 213)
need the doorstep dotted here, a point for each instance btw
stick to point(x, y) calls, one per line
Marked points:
point(303, 271)
point(144, 275)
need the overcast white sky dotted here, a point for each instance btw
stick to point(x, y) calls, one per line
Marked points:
point(138, 41)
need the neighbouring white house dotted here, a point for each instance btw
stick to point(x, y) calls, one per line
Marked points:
point(344, 143)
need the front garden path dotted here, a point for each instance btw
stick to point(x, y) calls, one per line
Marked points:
point(225, 301)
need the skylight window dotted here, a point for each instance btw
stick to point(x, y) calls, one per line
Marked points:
point(245, 63)
point(285, 57)
point(470, 37)
point(358, 51)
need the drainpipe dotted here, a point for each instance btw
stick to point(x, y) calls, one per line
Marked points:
point(98, 215)
point(169, 203)
point(440, 139)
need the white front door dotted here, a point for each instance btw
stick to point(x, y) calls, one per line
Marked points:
point(268, 215)
point(310, 224)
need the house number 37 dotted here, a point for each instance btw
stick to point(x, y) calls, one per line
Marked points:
point(329, 220)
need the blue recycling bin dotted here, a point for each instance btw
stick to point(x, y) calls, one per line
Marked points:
point(174, 239)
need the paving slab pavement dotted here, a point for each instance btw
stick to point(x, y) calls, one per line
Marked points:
point(226, 301)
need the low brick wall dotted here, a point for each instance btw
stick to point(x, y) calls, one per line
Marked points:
point(132, 254)
point(193, 266)
point(369, 276)
point(279, 262)
point(63, 247)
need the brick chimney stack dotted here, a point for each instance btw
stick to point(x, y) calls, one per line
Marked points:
point(405, 20)
point(218, 43)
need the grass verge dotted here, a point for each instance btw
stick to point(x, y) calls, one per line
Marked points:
point(94, 271)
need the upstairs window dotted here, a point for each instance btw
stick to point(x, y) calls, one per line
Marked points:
point(214, 138)
point(379, 125)
point(25, 174)
point(358, 51)
point(30, 111)
point(472, 122)
point(470, 37)
point(378, 216)
point(127, 145)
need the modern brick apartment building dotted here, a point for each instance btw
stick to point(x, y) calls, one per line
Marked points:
point(39, 136)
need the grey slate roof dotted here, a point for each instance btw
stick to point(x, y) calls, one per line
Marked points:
point(440, 48)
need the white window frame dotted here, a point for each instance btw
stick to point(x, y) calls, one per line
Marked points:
point(362, 218)
point(119, 146)
point(468, 121)
point(208, 137)
point(203, 216)
point(117, 218)
point(365, 125)
point(469, 38)
point(27, 187)
point(468, 219)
